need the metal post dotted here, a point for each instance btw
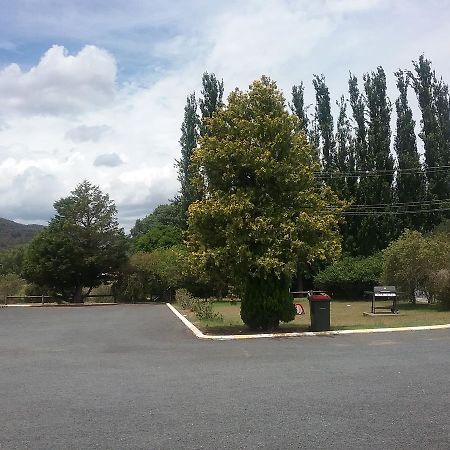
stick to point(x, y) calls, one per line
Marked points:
point(42, 299)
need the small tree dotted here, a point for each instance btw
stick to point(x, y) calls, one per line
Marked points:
point(83, 245)
point(262, 208)
point(411, 261)
point(11, 284)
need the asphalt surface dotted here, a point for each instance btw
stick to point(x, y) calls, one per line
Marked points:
point(133, 377)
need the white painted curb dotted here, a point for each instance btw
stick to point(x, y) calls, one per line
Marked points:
point(232, 337)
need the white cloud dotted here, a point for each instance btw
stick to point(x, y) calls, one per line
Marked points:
point(68, 112)
point(60, 83)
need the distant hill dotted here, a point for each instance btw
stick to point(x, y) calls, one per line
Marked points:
point(13, 234)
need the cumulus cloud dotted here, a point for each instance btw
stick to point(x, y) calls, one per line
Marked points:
point(60, 83)
point(84, 133)
point(68, 119)
point(108, 160)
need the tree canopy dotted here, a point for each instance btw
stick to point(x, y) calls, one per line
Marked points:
point(262, 208)
point(83, 245)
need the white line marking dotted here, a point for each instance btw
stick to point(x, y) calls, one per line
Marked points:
point(232, 337)
point(189, 324)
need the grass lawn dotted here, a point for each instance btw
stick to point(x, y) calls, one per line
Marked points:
point(344, 315)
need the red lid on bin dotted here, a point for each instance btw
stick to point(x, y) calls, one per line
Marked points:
point(318, 297)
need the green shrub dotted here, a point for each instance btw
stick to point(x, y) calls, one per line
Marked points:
point(265, 302)
point(11, 284)
point(440, 282)
point(184, 298)
point(349, 277)
point(417, 262)
point(203, 309)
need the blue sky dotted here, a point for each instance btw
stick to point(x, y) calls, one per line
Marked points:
point(96, 89)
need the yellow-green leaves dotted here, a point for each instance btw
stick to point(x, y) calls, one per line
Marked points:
point(261, 207)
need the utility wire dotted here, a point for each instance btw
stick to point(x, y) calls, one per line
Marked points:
point(377, 173)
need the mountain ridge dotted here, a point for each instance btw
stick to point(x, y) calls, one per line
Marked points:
point(13, 234)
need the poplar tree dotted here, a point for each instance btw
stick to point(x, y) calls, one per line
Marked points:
point(211, 100)
point(410, 182)
point(298, 106)
point(433, 101)
point(325, 122)
point(345, 157)
point(188, 142)
point(378, 231)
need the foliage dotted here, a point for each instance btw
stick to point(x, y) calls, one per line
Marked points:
point(151, 273)
point(203, 309)
point(412, 261)
point(183, 298)
point(211, 100)
point(410, 187)
point(159, 236)
point(440, 283)
point(262, 208)
point(163, 215)
point(325, 122)
point(188, 142)
point(11, 284)
point(349, 277)
point(433, 98)
point(298, 106)
point(11, 261)
point(83, 245)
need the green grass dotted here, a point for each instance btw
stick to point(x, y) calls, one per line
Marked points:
point(344, 315)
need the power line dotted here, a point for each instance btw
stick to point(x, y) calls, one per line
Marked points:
point(377, 213)
point(377, 173)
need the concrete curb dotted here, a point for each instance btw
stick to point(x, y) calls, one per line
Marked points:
point(200, 335)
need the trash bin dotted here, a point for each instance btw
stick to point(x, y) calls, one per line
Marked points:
point(319, 307)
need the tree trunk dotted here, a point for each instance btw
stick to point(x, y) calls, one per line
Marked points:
point(78, 295)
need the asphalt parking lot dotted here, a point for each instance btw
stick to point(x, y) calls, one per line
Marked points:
point(133, 377)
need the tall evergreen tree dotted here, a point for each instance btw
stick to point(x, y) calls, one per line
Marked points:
point(410, 185)
point(379, 131)
point(212, 94)
point(188, 142)
point(345, 187)
point(298, 106)
point(345, 158)
point(377, 232)
point(358, 106)
point(325, 122)
point(433, 101)
point(352, 234)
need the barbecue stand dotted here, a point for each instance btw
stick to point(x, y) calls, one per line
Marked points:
point(384, 293)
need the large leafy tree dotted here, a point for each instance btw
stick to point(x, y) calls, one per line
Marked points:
point(168, 214)
point(82, 246)
point(262, 207)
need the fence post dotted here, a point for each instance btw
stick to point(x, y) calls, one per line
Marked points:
point(42, 299)
point(6, 299)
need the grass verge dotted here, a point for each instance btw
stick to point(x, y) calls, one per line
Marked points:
point(345, 315)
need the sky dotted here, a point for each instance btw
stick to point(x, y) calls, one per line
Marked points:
point(95, 89)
